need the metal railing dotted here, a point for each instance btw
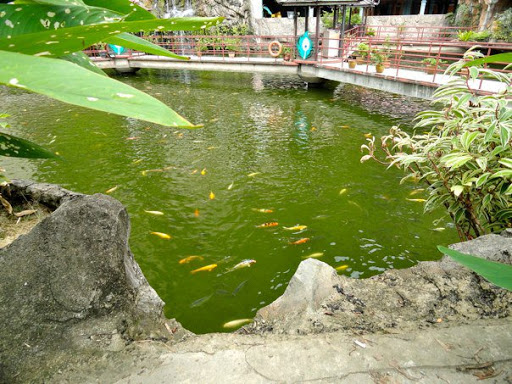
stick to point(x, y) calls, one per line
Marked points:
point(404, 57)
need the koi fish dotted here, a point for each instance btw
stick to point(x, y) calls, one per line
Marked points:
point(212, 147)
point(196, 213)
point(137, 161)
point(416, 191)
point(111, 189)
point(161, 235)
point(313, 129)
point(156, 213)
point(212, 195)
point(343, 191)
point(316, 254)
point(188, 259)
point(417, 200)
point(230, 186)
point(203, 172)
point(301, 241)
point(440, 229)
point(345, 126)
point(253, 174)
point(268, 225)
point(368, 135)
point(193, 172)
point(201, 301)
point(133, 138)
point(236, 323)
point(206, 268)
point(263, 210)
point(296, 228)
point(243, 264)
point(342, 267)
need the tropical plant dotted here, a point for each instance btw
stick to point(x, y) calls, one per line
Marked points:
point(363, 49)
point(370, 32)
point(379, 57)
point(499, 274)
point(232, 44)
point(473, 36)
point(432, 61)
point(465, 159)
point(503, 26)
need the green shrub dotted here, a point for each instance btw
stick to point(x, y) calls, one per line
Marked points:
point(465, 155)
point(473, 36)
point(503, 29)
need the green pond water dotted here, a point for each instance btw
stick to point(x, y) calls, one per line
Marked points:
point(268, 143)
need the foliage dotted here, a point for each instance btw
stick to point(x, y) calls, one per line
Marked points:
point(370, 32)
point(363, 49)
point(328, 18)
point(499, 274)
point(378, 57)
point(473, 36)
point(503, 26)
point(462, 152)
point(432, 61)
point(232, 44)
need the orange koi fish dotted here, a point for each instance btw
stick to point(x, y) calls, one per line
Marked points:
point(196, 213)
point(268, 225)
point(263, 210)
point(188, 259)
point(301, 241)
point(206, 268)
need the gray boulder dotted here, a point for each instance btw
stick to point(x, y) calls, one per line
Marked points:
point(72, 284)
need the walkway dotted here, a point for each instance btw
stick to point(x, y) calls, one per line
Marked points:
point(459, 354)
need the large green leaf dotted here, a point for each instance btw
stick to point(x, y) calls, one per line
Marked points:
point(72, 84)
point(128, 40)
point(81, 59)
point(124, 7)
point(31, 18)
point(497, 273)
point(501, 57)
point(12, 146)
point(67, 40)
point(51, 2)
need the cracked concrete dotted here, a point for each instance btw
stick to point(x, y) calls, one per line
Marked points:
point(459, 354)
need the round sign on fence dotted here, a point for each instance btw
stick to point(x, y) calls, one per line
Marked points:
point(305, 46)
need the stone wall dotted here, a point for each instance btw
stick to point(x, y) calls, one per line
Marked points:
point(409, 20)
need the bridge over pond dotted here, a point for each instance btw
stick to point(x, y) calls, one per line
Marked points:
point(413, 62)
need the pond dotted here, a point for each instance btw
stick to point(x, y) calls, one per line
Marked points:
point(271, 151)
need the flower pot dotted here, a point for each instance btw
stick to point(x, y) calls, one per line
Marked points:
point(287, 57)
point(430, 69)
point(352, 64)
point(231, 55)
point(380, 68)
point(360, 60)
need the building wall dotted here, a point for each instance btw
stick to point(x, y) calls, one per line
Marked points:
point(409, 20)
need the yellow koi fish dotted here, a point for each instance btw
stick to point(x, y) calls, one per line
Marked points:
point(206, 268)
point(345, 126)
point(156, 213)
point(230, 186)
point(417, 200)
point(368, 135)
point(296, 228)
point(111, 189)
point(313, 129)
point(254, 174)
point(301, 241)
point(342, 267)
point(268, 225)
point(212, 195)
point(137, 161)
point(263, 210)
point(416, 191)
point(161, 235)
point(343, 191)
point(440, 229)
point(236, 323)
point(315, 255)
point(193, 172)
point(203, 172)
point(188, 259)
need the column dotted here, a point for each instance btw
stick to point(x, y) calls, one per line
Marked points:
point(423, 6)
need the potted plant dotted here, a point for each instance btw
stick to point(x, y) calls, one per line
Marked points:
point(352, 63)
point(378, 58)
point(362, 52)
point(232, 46)
point(286, 53)
point(431, 64)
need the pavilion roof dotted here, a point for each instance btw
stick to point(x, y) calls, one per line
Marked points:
point(319, 3)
